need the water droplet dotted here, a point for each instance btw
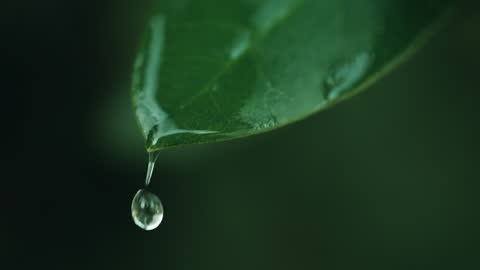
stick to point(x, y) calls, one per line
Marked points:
point(147, 210)
point(344, 74)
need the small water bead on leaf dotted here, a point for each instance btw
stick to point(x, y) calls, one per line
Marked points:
point(147, 210)
point(344, 74)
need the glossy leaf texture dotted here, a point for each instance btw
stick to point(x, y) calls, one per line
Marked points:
point(220, 69)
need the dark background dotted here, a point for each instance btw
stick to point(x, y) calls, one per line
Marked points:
point(386, 180)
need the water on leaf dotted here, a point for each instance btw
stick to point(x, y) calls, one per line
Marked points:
point(344, 74)
point(152, 157)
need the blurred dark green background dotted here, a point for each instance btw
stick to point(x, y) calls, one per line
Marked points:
point(386, 180)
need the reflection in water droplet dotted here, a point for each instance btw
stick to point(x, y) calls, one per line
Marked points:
point(147, 210)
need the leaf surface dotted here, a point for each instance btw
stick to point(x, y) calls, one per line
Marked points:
point(221, 69)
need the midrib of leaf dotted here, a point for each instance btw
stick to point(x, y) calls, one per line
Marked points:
point(259, 36)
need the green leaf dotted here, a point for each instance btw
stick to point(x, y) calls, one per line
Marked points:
point(221, 69)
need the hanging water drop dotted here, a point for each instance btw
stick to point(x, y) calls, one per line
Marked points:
point(147, 209)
